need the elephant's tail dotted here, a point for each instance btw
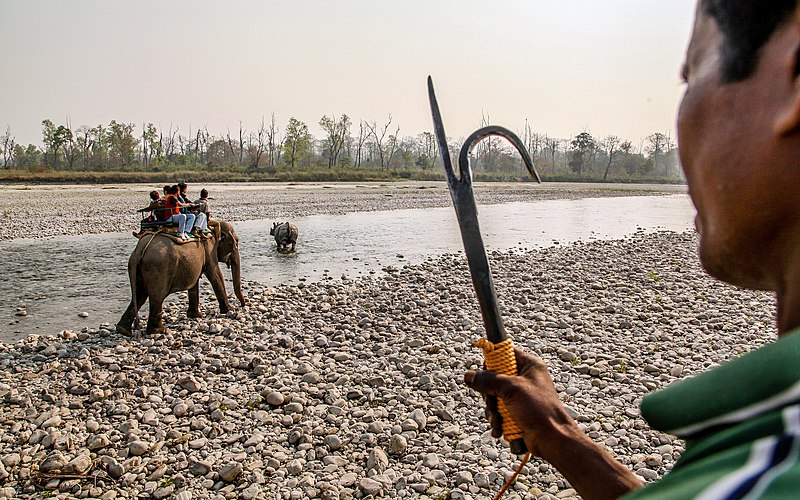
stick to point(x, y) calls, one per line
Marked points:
point(133, 267)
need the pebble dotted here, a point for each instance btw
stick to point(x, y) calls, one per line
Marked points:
point(339, 410)
point(230, 471)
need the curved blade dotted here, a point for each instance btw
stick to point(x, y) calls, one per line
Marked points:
point(467, 214)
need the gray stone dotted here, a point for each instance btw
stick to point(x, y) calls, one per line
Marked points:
point(138, 448)
point(53, 463)
point(163, 492)
point(377, 460)
point(275, 398)
point(295, 467)
point(252, 492)
point(348, 479)
point(398, 444)
point(97, 442)
point(370, 487)
point(190, 383)
point(430, 460)
point(199, 467)
point(78, 465)
point(230, 471)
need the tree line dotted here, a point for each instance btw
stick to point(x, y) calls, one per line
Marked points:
point(268, 148)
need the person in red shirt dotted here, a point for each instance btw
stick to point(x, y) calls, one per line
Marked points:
point(173, 205)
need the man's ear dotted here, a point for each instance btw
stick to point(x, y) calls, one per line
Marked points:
point(789, 120)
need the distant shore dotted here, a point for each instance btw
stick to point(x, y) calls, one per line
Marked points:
point(34, 211)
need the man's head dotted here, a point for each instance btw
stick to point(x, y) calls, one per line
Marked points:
point(203, 193)
point(739, 137)
point(173, 190)
point(182, 187)
point(745, 26)
point(154, 195)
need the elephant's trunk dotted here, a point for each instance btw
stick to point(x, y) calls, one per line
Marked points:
point(236, 272)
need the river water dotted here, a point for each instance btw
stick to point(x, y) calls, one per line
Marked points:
point(57, 278)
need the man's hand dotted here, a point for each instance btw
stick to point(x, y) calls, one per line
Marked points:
point(530, 397)
point(548, 430)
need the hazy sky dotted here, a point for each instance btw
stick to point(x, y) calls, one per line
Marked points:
point(608, 66)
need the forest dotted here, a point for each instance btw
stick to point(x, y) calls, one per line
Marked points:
point(366, 150)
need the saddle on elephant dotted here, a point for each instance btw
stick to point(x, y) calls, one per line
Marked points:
point(170, 230)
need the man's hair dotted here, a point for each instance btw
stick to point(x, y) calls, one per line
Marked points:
point(203, 193)
point(154, 195)
point(173, 189)
point(746, 25)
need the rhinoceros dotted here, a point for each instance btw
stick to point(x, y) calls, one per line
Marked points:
point(285, 235)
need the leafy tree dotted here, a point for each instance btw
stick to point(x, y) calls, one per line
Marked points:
point(296, 142)
point(151, 144)
point(26, 157)
point(99, 147)
point(338, 131)
point(122, 144)
point(582, 147)
point(658, 145)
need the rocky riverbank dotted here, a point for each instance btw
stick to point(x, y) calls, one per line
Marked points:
point(352, 388)
point(42, 211)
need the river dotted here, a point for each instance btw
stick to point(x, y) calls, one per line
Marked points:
point(54, 279)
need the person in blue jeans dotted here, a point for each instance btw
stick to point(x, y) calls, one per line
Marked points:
point(739, 138)
point(185, 221)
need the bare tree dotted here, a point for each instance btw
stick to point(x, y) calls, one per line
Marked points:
point(534, 142)
point(360, 141)
point(273, 143)
point(552, 146)
point(258, 144)
point(8, 141)
point(70, 147)
point(168, 142)
point(84, 141)
point(385, 145)
point(611, 146)
point(238, 151)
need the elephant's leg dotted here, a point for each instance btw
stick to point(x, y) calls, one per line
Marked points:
point(154, 324)
point(131, 313)
point(194, 302)
point(214, 276)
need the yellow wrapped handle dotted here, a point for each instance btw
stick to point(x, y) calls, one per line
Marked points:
point(500, 358)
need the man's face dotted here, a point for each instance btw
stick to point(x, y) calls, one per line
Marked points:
point(739, 167)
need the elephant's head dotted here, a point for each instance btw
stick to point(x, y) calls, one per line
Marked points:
point(228, 252)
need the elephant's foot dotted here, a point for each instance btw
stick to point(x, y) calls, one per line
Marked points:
point(194, 314)
point(157, 331)
point(124, 329)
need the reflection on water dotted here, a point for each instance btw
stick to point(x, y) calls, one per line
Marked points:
point(56, 278)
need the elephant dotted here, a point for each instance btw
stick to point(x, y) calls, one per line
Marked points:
point(158, 267)
point(285, 235)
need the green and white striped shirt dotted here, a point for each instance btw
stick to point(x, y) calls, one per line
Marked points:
point(741, 423)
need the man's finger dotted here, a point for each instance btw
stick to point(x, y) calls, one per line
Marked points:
point(486, 382)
